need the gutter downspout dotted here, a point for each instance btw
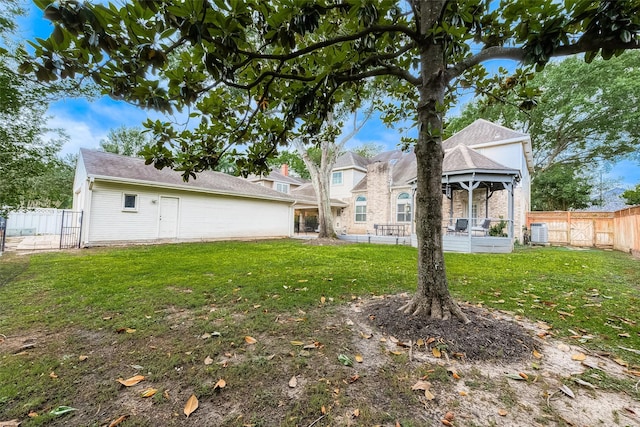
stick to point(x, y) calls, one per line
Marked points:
point(292, 219)
point(86, 220)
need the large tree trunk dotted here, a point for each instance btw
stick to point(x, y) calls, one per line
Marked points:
point(320, 180)
point(432, 296)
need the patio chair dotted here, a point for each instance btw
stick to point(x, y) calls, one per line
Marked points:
point(461, 226)
point(483, 227)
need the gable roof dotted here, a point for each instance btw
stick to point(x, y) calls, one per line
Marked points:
point(484, 132)
point(123, 169)
point(462, 158)
point(305, 195)
point(351, 160)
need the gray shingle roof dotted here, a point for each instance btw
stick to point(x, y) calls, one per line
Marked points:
point(462, 158)
point(307, 194)
point(351, 159)
point(481, 132)
point(276, 175)
point(122, 168)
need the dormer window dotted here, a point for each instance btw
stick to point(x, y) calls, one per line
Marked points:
point(282, 187)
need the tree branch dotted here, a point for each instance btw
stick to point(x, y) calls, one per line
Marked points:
point(384, 71)
point(337, 40)
point(518, 53)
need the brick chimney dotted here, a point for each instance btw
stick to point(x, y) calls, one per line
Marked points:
point(284, 169)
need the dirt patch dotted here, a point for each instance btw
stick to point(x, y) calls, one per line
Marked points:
point(486, 337)
point(488, 388)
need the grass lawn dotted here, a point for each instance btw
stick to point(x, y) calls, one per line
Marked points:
point(72, 323)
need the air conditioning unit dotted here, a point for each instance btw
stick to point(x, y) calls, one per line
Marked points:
point(539, 233)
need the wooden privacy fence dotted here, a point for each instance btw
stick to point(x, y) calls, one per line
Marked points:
point(618, 230)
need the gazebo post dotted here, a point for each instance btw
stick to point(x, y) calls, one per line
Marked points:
point(510, 208)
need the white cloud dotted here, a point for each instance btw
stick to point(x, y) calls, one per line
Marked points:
point(81, 134)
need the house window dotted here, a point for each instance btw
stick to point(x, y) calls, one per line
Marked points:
point(336, 178)
point(282, 187)
point(361, 209)
point(474, 215)
point(404, 208)
point(130, 202)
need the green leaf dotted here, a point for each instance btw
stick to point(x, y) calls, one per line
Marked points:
point(61, 410)
point(345, 360)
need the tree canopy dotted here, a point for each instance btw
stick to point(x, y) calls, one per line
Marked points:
point(586, 114)
point(127, 141)
point(31, 173)
point(632, 196)
point(249, 70)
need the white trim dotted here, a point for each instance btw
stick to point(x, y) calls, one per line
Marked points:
point(164, 185)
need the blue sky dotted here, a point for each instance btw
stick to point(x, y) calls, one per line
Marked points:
point(87, 122)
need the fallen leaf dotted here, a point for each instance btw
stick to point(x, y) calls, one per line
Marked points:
point(166, 394)
point(220, 384)
point(250, 340)
point(61, 410)
point(365, 336)
point(356, 413)
point(621, 362)
point(208, 360)
point(192, 405)
point(323, 299)
point(82, 358)
point(523, 375)
point(149, 392)
point(537, 354)
point(566, 390)
point(359, 358)
point(313, 346)
point(323, 410)
point(129, 330)
point(579, 357)
point(354, 378)
point(345, 360)
point(430, 340)
point(446, 422)
point(502, 412)
point(420, 342)
point(436, 352)
point(564, 313)
point(449, 416)
point(421, 385)
point(53, 375)
point(564, 347)
point(297, 343)
point(462, 393)
point(625, 335)
point(131, 381)
point(429, 395)
point(397, 353)
point(32, 414)
point(516, 377)
point(293, 382)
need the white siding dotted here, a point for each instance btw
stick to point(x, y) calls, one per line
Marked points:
point(509, 155)
point(350, 177)
point(201, 216)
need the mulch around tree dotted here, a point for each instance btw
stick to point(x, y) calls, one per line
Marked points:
point(487, 337)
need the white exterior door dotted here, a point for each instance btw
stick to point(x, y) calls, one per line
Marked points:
point(168, 227)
